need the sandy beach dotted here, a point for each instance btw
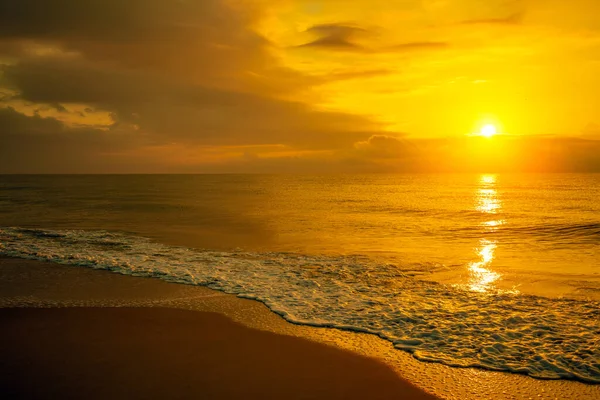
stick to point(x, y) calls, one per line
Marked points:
point(73, 332)
point(167, 353)
point(159, 353)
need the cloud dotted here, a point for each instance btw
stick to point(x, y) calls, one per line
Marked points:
point(169, 111)
point(513, 19)
point(177, 38)
point(14, 123)
point(352, 38)
point(416, 46)
point(337, 36)
point(360, 74)
point(385, 147)
point(35, 144)
point(169, 73)
point(511, 154)
point(503, 154)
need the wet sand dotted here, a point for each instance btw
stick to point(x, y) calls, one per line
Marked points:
point(160, 353)
point(167, 353)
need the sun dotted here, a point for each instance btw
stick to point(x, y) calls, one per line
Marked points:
point(488, 130)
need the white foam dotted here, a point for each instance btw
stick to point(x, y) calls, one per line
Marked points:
point(537, 336)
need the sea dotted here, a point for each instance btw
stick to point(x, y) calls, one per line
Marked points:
point(493, 271)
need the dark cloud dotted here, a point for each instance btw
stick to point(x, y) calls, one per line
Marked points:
point(172, 111)
point(337, 36)
point(54, 80)
point(11, 48)
point(206, 41)
point(16, 124)
point(35, 144)
point(185, 73)
point(343, 37)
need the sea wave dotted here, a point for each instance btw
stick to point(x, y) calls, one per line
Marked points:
point(574, 233)
point(540, 337)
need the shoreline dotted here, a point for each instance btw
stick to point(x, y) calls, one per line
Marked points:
point(28, 283)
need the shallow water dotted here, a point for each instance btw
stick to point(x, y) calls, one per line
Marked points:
point(500, 272)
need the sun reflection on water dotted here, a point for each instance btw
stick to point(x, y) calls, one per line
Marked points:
point(487, 196)
point(493, 224)
point(481, 277)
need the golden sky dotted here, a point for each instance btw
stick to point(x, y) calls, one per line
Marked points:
point(299, 85)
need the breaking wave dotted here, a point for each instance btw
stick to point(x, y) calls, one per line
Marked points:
point(537, 336)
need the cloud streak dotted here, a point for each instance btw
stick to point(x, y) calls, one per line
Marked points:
point(513, 19)
point(337, 37)
point(354, 39)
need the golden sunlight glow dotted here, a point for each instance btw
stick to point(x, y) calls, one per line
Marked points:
point(488, 180)
point(487, 196)
point(488, 131)
point(468, 72)
point(493, 225)
point(481, 276)
point(487, 201)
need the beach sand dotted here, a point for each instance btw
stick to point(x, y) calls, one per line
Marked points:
point(161, 353)
point(74, 332)
point(166, 353)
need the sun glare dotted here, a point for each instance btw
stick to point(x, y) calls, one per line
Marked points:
point(488, 130)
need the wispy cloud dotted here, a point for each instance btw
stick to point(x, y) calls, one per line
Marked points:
point(337, 36)
point(417, 46)
point(352, 38)
point(513, 19)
